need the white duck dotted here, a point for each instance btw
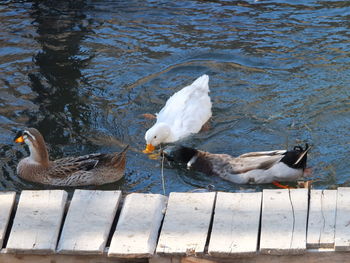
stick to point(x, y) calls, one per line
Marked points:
point(183, 114)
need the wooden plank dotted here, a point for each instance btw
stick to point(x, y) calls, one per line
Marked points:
point(236, 224)
point(37, 221)
point(161, 259)
point(64, 258)
point(316, 256)
point(308, 257)
point(342, 223)
point(88, 222)
point(321, 225)
point(138, 226)
point(7, 199)
point(186, 223)
point(283, 224)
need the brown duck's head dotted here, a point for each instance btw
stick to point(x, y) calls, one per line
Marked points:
point(35, 141)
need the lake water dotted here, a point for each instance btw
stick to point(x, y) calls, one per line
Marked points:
point(84, 72)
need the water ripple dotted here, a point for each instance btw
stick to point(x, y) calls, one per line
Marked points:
point(84, 72)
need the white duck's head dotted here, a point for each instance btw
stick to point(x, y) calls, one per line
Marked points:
point(157, 134)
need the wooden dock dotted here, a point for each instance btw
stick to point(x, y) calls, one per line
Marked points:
point(100, 226)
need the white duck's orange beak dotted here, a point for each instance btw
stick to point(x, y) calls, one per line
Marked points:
point(149, 148)
point(20, 139)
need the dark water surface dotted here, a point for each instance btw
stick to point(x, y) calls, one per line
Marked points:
point(83, 72)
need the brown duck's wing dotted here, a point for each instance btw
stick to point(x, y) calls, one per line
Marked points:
point(77, 159)
point(66, 166)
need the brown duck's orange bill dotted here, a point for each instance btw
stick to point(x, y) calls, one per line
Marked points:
point(149, 148)
point(20, 139)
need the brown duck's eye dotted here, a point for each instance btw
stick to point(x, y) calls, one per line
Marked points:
point(155, 137)
point(27, 134)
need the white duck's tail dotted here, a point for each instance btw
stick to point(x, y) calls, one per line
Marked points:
point(202, 82)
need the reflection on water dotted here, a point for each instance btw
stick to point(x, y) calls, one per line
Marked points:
point(84, 72)
point(64, 111)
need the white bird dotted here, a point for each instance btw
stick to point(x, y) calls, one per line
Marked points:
point(184, 113)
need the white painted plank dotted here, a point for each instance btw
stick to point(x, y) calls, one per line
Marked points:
point(236, 224)
point(342, 223)
point(138, 226)
point(7, 199)
point(186, 223)
point(37, 221)
point(283, 224)
point(88, 222)
point(321, 225)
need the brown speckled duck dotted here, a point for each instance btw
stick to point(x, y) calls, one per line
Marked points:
point(91, 169)
point(254, 167)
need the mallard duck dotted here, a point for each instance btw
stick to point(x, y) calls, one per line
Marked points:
point(184, 113)
point(91, 169)
point(254, 167)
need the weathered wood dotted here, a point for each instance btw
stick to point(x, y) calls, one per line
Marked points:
point(342, 225)
point(283, 224)
point(7, 199)
point(236, 224)
point(138, 226)
point(64, 258)
point(88, 222)
point(310, 256)
point(161, 259)
point(321, 225)
point(186, 223)
point(196, 260)
point(37, 221)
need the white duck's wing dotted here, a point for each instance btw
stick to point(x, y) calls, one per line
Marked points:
point(177, 102)
point(188, 109)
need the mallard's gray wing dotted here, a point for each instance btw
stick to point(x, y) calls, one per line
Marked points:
point(266, 153)
point(237, 165)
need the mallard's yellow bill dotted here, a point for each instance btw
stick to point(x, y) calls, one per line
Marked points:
point(20, 139)
point(149, 148)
